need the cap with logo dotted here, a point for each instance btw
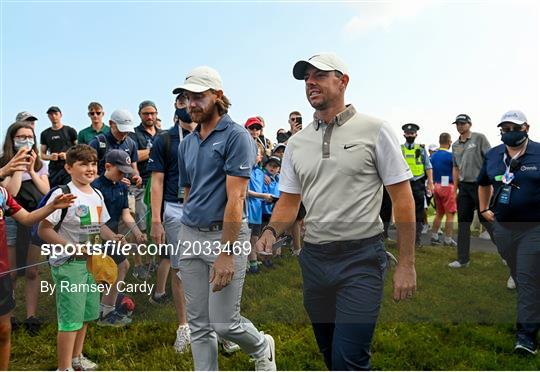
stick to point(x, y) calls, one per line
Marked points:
point(119, 159)
point(273, 159)
point(513, 116)
point(25, 116)
point(410, 127)
point(53, 109)
point(123, 120)
point(321, 61)
point(254, 121)
point(200, 79)
point(279, 146)
point(462, 118)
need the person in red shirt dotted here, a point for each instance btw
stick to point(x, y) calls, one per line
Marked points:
point(9, 207)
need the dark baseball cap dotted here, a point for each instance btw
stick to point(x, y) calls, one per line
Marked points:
point(121, 160)
point(147, 103)
point(411, 127)
point(462, 118)
point(53, 109)
point(274, 159)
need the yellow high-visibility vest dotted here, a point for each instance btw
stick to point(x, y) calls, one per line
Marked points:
point(414, 160)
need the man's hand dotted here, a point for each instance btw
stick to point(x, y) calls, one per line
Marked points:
point(62, 155)
point(296, 128)
point(119, 238)
point(404, 282)
point(141, 238)
point(431, 187)
point(158, 233)
point(268, 198)
point(63, 201)
point(126, 181)
point(222, 272)
point(489, 216)
point(265, 242)
point(54, 156)
point(137, 179)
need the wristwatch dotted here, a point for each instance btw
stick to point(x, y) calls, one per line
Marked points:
point(274, 232)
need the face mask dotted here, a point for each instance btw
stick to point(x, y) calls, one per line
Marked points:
point(514, 138)
point(18, 144)
point(183, 115)
point(282, 137)
point(410, 139)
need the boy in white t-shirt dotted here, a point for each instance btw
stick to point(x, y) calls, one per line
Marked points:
point(77, 298)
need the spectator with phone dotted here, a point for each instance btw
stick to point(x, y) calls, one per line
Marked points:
point(295, 122)
point(27, 187)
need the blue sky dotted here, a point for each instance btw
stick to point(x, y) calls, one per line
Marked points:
point(409, 61)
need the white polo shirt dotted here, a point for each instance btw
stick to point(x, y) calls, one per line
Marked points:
point(339, 169)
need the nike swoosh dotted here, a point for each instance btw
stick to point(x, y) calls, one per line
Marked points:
point(243, 167)
point(349, 146)
point(216, 143)
point(271, 358)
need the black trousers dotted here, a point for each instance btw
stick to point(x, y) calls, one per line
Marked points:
point(419, 191)
point(467, 203)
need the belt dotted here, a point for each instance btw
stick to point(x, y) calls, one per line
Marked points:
point(216, 226)
point(339, 247)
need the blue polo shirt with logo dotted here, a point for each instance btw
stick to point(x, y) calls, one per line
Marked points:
point(115, 196)
point(204, 166)
point(442, 164)
point(111, 143)
point(524, 205)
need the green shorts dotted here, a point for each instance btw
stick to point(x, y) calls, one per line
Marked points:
point(77, 297)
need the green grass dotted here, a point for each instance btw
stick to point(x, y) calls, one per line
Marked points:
point(459, 320)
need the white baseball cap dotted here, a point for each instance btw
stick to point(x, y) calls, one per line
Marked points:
point(321, 61)
point(513, 116)
point(200, 79)
point(123, 120)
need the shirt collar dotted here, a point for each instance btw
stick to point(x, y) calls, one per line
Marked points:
point(466, 139)
point(222, 124)
point(339, 119)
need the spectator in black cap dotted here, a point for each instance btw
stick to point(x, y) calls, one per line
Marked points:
point(55, 141)
point(418, 161)
point(468, 154)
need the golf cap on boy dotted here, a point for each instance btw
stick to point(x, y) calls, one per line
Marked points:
point(123, 120)
point(321, 61)
point(200, 79)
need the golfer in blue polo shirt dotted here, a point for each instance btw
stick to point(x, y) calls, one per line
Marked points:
point(508, 196)
point(215, 164)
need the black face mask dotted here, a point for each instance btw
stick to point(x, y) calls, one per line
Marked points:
point(410, 140)
point(514, 138)
point(183, 115)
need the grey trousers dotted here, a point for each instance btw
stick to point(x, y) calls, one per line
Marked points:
point(210, 313)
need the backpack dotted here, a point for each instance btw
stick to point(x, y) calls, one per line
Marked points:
point(102, 146)
point(36, 240)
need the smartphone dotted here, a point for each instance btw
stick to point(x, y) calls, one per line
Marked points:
point(299, 122)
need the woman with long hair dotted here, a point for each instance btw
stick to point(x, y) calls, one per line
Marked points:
point(27, 187)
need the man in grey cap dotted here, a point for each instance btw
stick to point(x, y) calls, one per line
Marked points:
point(417, 159)
point(468, 154)
point(215, 163)
point(27, 117)
point(337, 166)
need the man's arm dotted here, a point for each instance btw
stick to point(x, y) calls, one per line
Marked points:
point(156, 200)
point(455, 177)
point(405, 274)
point(143, 154)
point(43, 152)
point(186, 194)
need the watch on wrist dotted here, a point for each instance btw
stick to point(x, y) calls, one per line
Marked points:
point(270, 228)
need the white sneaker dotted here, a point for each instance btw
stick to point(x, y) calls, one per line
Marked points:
point(449, 242)
point(484, 235)
point(511, 284)
point(457, 265)
point(229, 347)
point(268, 361)
point(183, 339)
point(82, 363)
point(425, 229)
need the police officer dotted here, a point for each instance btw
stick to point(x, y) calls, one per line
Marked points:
point(418, 160)
point(508, 196)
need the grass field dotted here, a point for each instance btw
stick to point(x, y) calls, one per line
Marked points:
point(459, 320)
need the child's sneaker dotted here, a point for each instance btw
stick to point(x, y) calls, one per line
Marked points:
point(436, 240)
point(183, 339)
point(114, 319)
point(449, 242)
point(82, 363)
point(229, 347)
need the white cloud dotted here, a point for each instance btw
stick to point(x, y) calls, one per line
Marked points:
point(372, 16)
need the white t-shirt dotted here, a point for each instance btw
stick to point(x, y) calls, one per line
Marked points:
point(83, 219)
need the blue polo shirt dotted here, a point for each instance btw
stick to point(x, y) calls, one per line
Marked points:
point(143, 140)
point(256, 182)
point(442, 164)
point(167, 162)
point(524, 205)
point(128, 145)
point(115, 196)
point(204, 166)
point(273, 189)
